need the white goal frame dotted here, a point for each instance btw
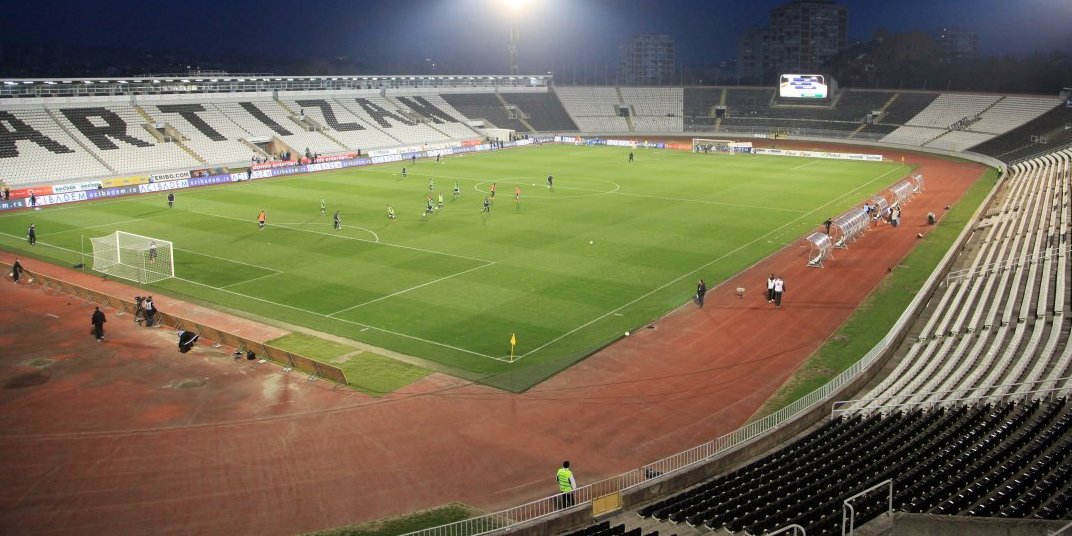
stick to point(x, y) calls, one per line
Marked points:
point(128, 256)
point(718, 146)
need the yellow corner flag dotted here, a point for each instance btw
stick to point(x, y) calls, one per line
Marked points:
point(513, 342)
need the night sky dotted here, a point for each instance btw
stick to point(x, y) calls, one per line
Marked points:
point(471, 34)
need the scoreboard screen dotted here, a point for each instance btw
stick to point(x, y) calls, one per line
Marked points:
point(802, 86)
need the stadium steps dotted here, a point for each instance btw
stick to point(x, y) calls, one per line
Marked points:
point(944, 132)
point(722, 103)
point(892, 99)
point(169, 131)
point(520, 116)
point(324, 133)
point(145, 115)
point(71, 135)
point(405, 111)
point(621, 102)
point(987, 109)
point(253, 147)
point(305, 123)
point(189, 151)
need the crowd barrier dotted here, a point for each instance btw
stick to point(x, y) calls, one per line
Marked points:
point(204, 331)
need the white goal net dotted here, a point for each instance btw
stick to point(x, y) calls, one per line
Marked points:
point(704, 145)
point(133, 257)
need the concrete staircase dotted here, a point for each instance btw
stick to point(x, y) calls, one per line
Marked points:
point(721, 102)
point(520, 115)
point(621, 102)
point(168, 134)
point(882, 113)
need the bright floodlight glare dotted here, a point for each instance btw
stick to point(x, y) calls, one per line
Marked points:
point(516, 5)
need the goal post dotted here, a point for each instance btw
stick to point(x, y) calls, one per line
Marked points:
point(133, 257)
point(706, 145)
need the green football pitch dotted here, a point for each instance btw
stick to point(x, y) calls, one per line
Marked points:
point(613, 246)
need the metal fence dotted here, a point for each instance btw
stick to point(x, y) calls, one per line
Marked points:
point(291, 360)
point(701, 454)
point(1008, 391)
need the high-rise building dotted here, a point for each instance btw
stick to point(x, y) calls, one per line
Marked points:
point(957, 45)
point(753, 54)
point(646, 60)
point(805, 34)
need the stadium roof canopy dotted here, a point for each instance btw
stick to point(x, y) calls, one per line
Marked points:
point(201, 83)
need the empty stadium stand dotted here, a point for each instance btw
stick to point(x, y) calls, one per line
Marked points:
point(594, 109)
point(655, 109)
point(34, 149)
point(485, 106)
point(116, 135)
point(40, 144)
point(998, 323)
point(1050, 130)
point(544, 110)
point(994, 459)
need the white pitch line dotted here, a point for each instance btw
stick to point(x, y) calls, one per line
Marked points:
point(369, 231)
point(97, 226)
point(717, 259)
point(344, 237)
point(230, 260)
point(366, 326)
point(403, 291)
point(251, 280)
point(617, 190)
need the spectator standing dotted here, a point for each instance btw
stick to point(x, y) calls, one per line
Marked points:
point(16, 271)
point(98, 321)
point(770, 288)
point(779, 289)
point(33, 200)
point(31, 235)
point(701, 291)
point(150, 311)
point(566, 485)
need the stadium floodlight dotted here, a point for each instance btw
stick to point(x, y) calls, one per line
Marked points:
point(517, 5)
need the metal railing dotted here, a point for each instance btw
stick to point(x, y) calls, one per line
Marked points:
point(696, 456)
point(848, 513)
point(997, 267)
point(839, 407)
point(1062, 530)
point(794, 527)
point(243, 345)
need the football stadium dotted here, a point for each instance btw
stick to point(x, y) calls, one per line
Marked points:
point(460, 303)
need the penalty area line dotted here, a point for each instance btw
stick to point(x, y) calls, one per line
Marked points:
point(286, 225)
point(251, 280)
point(405, 290)
point(351, 322)
point(231, 260)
